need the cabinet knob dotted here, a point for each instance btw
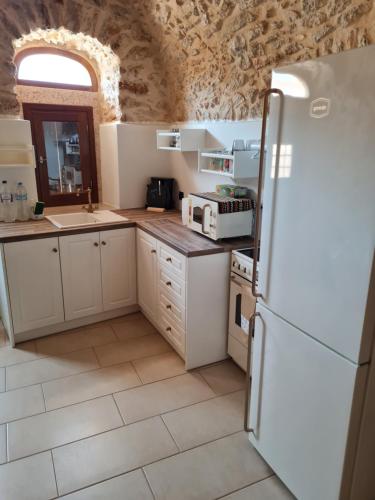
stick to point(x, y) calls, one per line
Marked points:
point(104, 243)
point(168, 259)
point(96, 244)
point(168, 306)
point(54, 250)
point(168, 283)
point(153, 251)
point(168, 329)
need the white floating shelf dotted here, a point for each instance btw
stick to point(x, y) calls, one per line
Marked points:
point(186, 139)
point(239, 165)
point(17, 156)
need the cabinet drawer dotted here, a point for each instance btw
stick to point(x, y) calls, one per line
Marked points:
point(173, 333)
point(173, 311)
point(173, 286)
point(172, 260)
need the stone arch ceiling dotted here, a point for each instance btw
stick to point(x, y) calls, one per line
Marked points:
point(193, 59)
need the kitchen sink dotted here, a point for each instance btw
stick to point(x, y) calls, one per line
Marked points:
point(64, 221)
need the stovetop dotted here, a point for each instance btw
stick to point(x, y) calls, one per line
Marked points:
point(247, 252)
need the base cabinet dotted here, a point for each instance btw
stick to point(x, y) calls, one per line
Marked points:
point(34, 282)
point(185, 298)
point(49, 282)
point(81, 275)
point(147, 269)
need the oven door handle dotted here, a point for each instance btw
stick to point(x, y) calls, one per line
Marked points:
point(204, 208)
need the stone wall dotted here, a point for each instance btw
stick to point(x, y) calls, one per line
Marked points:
point(192, 59)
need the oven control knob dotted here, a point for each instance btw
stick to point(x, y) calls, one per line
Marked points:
point(244, 270)
point(234, 264)
point(239, 266)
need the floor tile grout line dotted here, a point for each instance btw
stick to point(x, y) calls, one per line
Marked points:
point(118, 409)
point(61, 408)
point(147, 464)
point(170, 433)
point(100, 367)
point(246, 486)
point(54, 473)
point(119, 392)
point(148, 482)
point(65, 444)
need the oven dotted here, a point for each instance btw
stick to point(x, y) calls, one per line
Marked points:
point(241, 306)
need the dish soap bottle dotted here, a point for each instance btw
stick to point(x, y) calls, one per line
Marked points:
point(21, 202)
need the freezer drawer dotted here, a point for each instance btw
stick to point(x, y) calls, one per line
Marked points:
point(300, 407)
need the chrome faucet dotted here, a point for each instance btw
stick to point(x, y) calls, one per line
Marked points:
point(90, 208)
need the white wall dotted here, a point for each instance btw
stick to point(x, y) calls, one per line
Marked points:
point(184, 166)
point(129, 159)
point(133, 148)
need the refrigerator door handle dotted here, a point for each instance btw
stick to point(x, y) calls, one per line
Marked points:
point(247, 427)
point(269, 92)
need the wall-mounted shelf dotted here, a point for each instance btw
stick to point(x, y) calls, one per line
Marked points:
point(182, 140)
point(17, 156)
point(239, 165)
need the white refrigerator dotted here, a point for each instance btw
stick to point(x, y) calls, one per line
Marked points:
point(312, 399)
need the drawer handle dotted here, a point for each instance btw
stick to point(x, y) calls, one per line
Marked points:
point(104, 243)
point(54, 250)
point(168, 329)
point(153, 251)
point(168, 306)
point(96, 244)
point(168, 283)
point(168, 259)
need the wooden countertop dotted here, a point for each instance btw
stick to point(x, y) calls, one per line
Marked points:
point(165, 226)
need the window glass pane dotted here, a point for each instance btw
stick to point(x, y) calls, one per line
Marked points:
point(63, 157)
point(53, 68)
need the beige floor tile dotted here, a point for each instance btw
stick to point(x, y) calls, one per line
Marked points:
point(20, 354)
point(206, 421)
point(21, 403)
point(3, 443)
point(209, 471)
point(268, 489)
point(131, 486)
point(42, 370)
point(29, 479)
point(89, 385)
point(2, 379)
point(59, 427)
point(159, 367)
point(224, 377)
point(76, 340)
point(132, 326)
point(130, 349)
point(101, 457)
point(160, 397)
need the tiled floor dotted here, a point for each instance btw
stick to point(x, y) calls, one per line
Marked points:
point(108, 412)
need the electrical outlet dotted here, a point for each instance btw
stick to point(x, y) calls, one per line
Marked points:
point(180, 195)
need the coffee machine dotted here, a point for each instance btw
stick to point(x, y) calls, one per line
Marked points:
point(160, 193)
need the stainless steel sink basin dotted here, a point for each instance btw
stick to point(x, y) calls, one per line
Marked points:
point(64, 221)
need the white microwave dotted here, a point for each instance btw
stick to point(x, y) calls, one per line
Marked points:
point(218, 217)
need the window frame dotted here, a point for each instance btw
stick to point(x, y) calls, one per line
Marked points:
point(60, 52)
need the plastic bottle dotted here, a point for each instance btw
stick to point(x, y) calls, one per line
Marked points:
point(7, 202)
point(21, 202)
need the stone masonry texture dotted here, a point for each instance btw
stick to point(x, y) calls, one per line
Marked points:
point(192, 59)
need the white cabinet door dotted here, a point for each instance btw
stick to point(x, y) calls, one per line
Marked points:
point(301, 403)
point(81, 274)
point(147, 274)
point(118, 268)
point(34, 280)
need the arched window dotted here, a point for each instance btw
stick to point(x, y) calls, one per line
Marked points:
point(46, 67)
